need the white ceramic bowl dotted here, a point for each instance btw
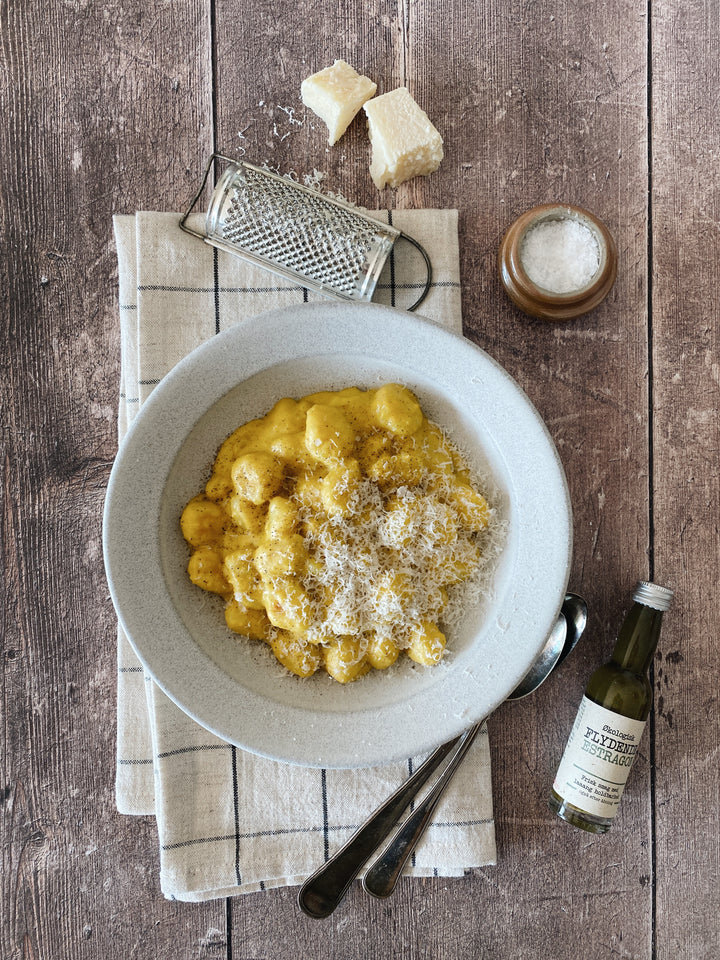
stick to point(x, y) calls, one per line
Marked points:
point(236, 688)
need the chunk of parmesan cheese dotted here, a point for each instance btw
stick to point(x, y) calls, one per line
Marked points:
point(336, 94)
point(405, 144)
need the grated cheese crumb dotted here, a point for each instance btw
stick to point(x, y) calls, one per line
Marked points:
point(380, 562)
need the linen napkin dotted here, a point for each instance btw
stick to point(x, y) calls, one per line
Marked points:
point(228, 821)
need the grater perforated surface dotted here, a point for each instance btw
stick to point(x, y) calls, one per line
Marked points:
point(303, 233)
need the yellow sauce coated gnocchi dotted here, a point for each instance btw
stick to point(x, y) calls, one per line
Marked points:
point(334, 528)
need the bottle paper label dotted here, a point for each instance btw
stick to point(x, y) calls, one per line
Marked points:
point(597, 759)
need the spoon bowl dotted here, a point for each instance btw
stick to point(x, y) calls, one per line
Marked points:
point(575, 611)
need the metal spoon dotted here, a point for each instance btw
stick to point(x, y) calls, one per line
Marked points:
point(381, 878)
point(324, 890)
point(576, 615)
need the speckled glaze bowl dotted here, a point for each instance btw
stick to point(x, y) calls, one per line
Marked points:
point(236, 688)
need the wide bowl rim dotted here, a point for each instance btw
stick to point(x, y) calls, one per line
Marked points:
point(318, 330)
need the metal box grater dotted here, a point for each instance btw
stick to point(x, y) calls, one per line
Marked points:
point(298, 233)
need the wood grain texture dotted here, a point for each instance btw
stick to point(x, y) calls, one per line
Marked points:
point(111, 107)
point(87, 93)
point(686, 452)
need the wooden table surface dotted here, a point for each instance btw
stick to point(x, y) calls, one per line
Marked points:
point(115, 106)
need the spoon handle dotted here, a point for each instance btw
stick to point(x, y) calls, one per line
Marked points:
point(324, 890)
point(381, 878)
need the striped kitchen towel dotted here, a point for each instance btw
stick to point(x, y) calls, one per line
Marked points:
point(230, 822)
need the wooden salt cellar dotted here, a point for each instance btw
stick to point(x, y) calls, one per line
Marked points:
point(546, 304)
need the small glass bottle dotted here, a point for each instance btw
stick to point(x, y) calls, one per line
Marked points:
point(610, 722)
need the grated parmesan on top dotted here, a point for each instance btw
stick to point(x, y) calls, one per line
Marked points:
point(383, 561)
point(343, 528)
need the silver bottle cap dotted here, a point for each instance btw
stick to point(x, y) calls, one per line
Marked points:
point(653, 595)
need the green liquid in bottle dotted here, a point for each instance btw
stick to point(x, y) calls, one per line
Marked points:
point(607, 731)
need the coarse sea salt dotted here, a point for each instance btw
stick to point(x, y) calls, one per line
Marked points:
point(560, 256)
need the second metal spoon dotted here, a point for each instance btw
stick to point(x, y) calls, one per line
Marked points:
point(382, 876)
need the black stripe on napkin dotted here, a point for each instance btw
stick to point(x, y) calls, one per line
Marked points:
point(325, 826)
point(392, 266)
point(216, 279)
point(236, 805)
point(254, 834)
point(168, 288)
point(296, 831)
point(198, 748)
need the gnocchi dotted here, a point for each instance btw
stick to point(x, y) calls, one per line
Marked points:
point(334, 529)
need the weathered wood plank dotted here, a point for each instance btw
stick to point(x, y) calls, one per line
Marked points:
point(686, 453)
point(263, 56)
point(562, 118)
point(105, 106)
